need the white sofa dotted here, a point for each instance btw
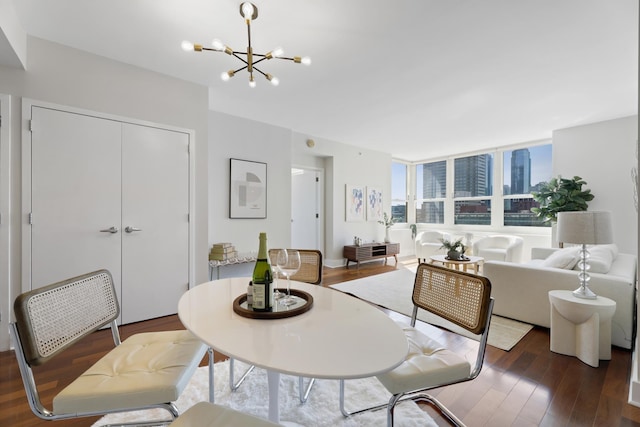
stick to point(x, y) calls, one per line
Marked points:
point(521, 290)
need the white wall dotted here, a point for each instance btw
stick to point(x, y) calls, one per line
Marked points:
point(603, 154)
point(345, 164)
point(74, 78)
point(238, 138)
point(235, 137)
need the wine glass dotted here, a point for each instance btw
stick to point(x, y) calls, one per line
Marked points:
point(276, 276)
point(288, 262)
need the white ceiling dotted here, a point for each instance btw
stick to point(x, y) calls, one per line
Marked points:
point(416, 78)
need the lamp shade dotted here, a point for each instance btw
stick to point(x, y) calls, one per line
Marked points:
point(585, 227)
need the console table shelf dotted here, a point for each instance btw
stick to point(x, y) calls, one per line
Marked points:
point(370, 251)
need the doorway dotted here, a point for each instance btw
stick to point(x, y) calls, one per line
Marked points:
point(307, 208)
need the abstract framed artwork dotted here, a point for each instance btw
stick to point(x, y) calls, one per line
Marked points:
point(247, 189)
point(354, 202)
point(374, 204)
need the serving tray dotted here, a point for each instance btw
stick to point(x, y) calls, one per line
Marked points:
point(304, 302)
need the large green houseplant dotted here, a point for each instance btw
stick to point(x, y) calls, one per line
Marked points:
point(561, 195)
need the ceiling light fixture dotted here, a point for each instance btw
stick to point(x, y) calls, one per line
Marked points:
point(249, 12)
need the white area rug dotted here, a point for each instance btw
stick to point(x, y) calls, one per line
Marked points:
point(393, 291)
point(322, 408)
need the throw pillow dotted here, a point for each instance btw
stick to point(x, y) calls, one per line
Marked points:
point(565, 258)
point(600, 258)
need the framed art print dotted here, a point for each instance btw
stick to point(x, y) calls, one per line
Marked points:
point(354, 202)
point(247, 189)
point(374, 204)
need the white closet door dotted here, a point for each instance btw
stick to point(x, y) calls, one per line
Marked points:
point(155, 200)
point(75, 164)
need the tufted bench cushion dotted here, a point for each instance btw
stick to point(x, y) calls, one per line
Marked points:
point(428, 363)
point(128, 376)
point(205, 414)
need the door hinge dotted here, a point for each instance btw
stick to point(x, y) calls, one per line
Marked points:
point(30, 125)
point(317, 179)
point(317, 216)
point(30, 218)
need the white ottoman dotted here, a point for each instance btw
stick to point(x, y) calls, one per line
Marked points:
point(581, 327)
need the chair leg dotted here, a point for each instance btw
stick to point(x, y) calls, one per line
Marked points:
point(211, 389)
point(443, 409)
point(304, 395)
point(347, 413)
point(232, 385)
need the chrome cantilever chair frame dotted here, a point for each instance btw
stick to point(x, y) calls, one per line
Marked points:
point(52, 318)
point(465, 301)
point(310, 272)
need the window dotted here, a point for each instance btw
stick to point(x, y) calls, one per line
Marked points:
point(399, 192)
point(524, 170)
point(473, 188)
point(431, 191)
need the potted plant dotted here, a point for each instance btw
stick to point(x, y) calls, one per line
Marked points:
point(455, 248)
point(414, 230)
point(387, 221)
point(561, 195)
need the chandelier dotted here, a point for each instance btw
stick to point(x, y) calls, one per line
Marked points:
point(249, 12)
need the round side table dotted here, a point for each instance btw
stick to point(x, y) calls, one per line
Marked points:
point(581, 327)
point(474, 261)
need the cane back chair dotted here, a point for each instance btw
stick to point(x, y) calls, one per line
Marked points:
point(310, 272)
point(459, 297)
point(147, 370)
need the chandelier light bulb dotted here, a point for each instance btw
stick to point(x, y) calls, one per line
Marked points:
point(306, 60)
point(217, 44)
point(225, 76)
point(187, 46)
point(277, 52)
point(247, 10)
point(252, 82)
point(274, 80)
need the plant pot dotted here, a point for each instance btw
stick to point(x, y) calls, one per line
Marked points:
point(455, 255)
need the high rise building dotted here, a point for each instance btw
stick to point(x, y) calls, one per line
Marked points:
point(520, 171)
point(473, 176)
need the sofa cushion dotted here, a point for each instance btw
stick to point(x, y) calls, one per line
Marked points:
point(600, 258)
point(566, 258)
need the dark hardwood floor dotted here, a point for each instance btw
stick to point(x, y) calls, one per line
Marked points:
point(526, 386)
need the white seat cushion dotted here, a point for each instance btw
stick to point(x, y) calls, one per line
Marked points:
point(147, 368)
point(428, 363)
point(204, 414)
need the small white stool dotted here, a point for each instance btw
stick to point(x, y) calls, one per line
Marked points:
point(581, 327)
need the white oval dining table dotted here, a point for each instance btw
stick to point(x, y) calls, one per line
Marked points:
point(340, 337)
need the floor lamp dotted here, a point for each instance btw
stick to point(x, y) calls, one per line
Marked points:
point(585, 228)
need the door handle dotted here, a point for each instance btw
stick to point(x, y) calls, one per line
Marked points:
point(112, 230)
point(130, 229)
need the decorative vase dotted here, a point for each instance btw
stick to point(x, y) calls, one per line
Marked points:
point(386, 235)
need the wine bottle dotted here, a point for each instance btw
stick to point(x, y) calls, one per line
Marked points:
point(262, 279)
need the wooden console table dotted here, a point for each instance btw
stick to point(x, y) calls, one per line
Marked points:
point(371, 251)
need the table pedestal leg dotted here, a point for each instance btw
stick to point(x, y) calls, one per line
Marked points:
point(273, 378)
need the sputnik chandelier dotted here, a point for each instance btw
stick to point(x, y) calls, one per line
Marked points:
point(249, 12)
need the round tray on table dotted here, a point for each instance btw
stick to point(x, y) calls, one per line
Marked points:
point(304, 302)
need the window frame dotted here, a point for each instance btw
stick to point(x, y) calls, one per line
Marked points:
point(497, 199)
